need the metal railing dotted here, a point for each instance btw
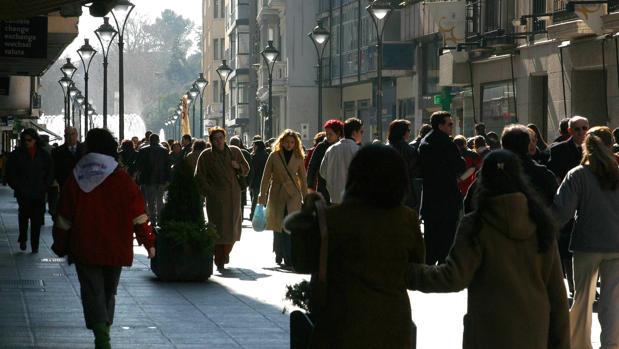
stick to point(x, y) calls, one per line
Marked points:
point(559, 13)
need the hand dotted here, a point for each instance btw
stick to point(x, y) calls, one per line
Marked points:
point(235, 165)
point(151, 253)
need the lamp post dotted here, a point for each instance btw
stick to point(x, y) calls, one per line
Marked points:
point(269, 55)
point(105, 33)
point(86, 52)
point(73, 91)
point(224, 72)
point(379, 10)
point(201, 82)
point(65, 82)
point(193, 93)
point(177, 117)
point(79, 99)
point(320, 36)
point(121, 13)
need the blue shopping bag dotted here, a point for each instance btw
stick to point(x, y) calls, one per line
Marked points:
point(259, 221)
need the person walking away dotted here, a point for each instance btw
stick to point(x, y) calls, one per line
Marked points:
point(398, 136)
point(318, 138)
point(30, 172)
point(153, 168)
point(472, 162)
point(282, 189)
point(590, 192)
point(541, 152)
point(66, 156)
point(95, 229)
point(564, 133)
point(373, 237)
point(243, 181)
point(505, 253)
point(259, 158)
point(480, 146)
point(127, 156)
point(564, 156)
point(186, 144)
point(441, 164)
point(334, 166)
point(334, 130)
point(216, 177)
point(192, 158)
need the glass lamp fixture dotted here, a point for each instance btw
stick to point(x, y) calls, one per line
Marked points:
point(270, 52)
point(68, 69)
point(320, 34)
point(201, 82)
point(380, 9)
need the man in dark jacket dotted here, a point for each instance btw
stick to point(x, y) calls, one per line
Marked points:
point(67, 155)
point(30, 173)
point(334, 130)
point(186, 143)
point(564, 156)
point(441, 164)
point(238, 142)
point(153, 168)
point(259, 158)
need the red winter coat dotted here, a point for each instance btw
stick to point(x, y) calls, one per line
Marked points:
point(97, 228)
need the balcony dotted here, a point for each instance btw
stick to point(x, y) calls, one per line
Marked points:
point(566, 25)
point(277, 4)
point(280, 77)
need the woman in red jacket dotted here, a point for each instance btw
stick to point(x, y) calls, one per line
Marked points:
point(99, 211)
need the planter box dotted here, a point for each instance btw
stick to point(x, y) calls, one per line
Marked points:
point(172, 264)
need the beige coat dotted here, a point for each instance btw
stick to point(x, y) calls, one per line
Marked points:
point(217, 182)
point(516, 295)
point(277, 190)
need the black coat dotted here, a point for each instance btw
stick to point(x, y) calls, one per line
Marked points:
point(564, 156)
point(127, 158)
point(250, 175)
point(65, 160)
point(153, 165)
point(313, 170)
point(410, 157)
point(258, 162)
point(441, 164)
point(30, 177)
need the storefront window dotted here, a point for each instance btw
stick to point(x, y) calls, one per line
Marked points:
point(498, 106)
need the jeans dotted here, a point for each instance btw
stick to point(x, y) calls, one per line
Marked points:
point(153, 194)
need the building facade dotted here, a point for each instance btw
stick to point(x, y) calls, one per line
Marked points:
point(213, 41)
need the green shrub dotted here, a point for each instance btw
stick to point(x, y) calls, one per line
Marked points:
point(193, 236)
point(299, 294)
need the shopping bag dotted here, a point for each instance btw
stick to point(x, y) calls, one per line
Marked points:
point(259, 221)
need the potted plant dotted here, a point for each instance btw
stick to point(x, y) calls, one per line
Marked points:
point(301, 321)
point(184, 240)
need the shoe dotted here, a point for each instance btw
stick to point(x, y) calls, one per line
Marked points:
point(227, 260)
point(220, 268)
point(35, 251)
point(278, 260)
point(22, 245)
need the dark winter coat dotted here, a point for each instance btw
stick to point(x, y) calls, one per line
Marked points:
point(410, 161)
point(30, 177)
point(258, 162)
point(369, 251)
point(153, 165)
point(516, 295)
point(314, 179)
point(65, 160)
point(441, 164)
point(542, 179)
point(247, 156)
point(564, 156)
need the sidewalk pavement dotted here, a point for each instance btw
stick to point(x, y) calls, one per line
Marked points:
point(40, 305)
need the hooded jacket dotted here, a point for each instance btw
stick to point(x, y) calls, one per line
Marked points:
point(99, 210)
point(516, 295)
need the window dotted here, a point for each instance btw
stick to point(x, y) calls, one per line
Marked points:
point(498, 105)
point(218, 9)
point(430, 68)
point(349, 110)
point(406, 108)
point(218, 49)
point(243, 43)
point(539, 7)
point(243, 92)
point(216, 91)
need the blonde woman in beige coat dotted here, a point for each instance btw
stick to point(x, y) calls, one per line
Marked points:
point(282, 189)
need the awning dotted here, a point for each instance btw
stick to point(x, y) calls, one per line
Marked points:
point(43, 129)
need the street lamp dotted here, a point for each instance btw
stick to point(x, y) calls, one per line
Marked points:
point(193, 93)
point(121, 13)
point(224, 72)
point(68, 69)
point(105, 33)
point(320, 37)
point(177, 117)
point(65, 83)
point(269, 55)
point(379, 10)
point(201, 82)
point(86, 52)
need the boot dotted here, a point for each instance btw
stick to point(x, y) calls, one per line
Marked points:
point(102, 335)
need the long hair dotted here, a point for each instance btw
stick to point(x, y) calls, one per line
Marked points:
point(298, 148)
point(377, 176)
point(501, 174)
point(397, 130)
point(598, 157)
point(541, 143)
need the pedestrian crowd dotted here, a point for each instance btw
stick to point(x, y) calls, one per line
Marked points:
point(511, 218)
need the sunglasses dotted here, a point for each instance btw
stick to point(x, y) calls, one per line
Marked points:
point(578, 129)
